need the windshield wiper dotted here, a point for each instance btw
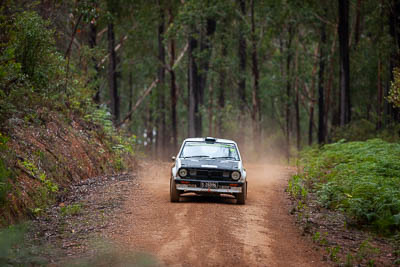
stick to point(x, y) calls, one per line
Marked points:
point(199, 156)
point(226, 158)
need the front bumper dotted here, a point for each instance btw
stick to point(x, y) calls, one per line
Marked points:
point(198, 186)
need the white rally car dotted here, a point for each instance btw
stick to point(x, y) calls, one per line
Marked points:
point(208, 166)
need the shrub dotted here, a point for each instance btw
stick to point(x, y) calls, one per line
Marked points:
point(361, 179)
point(34, 48)
point(5, 185)
point(360, 130)
point(68, 210)
point(5, 173)
point(31, 70)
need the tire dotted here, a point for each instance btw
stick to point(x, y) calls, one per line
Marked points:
point(241, 198)
point(173, 193)
point(246, 189)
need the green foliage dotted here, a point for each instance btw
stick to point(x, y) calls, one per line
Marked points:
point(355, 131)
point(102, 117)
point(361, 130)
point(45, 193)
point(5, 186)
point(333, 253)
point(73, 209)
point(5, 173)
point(34, 73)
point(320, 238)
point(296, 187)
point(33, 46)
point(367, 251)
point(51, 187)
point(14, 251)
point(9, 238)
point(36, 84)
point(118, 143)
point(361, 179)
point(32, 68)
point(108, 254)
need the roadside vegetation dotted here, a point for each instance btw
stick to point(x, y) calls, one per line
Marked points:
point(52, 133)
point(85, 84)
point(359, 180)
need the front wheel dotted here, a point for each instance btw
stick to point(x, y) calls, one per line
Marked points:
point(241, 197)
point(173, 192)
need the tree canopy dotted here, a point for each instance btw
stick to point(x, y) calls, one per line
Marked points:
point(254, 71)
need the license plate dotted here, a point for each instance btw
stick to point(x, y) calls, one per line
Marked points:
point(210, 185)
point(187, 185)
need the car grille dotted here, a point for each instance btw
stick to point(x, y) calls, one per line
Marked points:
point(209, 174)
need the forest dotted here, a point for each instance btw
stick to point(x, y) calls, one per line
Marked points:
point(90, 87)
point(269, 74)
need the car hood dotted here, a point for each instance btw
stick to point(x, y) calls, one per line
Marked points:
point(210, 164)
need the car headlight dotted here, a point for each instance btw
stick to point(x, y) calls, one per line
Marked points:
point(235, 175)
point(183, 173)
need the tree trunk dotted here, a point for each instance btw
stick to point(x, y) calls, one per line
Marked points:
point(197, 73)
point(328, 102)
point(312, 96)
point(173, 93)
point(162, 131)
point(380, 105)
point(221, 96)
point(92, 45)
point(221, 104)
point(296, 102)
point(288, 88)
point(242, 68)
point(112, 74)
point(321, 100)
point(68, 52)
point(255, 115)
point(344, 84)
point(380, 96)
point(297, 110)
point(203, 63)
point(193, 88)
point(130, 94)
point(311, 124)
point(210, 110)
point(149, 130)
point(357, 30)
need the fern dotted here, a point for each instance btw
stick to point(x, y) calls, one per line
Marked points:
point(361, 179)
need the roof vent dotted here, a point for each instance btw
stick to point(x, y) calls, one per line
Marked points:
point(210, 139)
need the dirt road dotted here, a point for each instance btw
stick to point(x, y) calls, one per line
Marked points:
point(204, 231)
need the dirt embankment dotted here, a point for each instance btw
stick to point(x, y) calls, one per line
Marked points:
point(204, 231)
point(41, 155)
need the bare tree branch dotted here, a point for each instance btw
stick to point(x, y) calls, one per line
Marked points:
point(140, 100)
point(180, 56)
point(100, 33)
point(148, 90)
point(116, 48)
point(73, 36)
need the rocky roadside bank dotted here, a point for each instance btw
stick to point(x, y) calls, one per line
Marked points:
point(74, 231)
point(343, 243)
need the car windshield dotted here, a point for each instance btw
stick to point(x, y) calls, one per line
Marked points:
point(209, 150)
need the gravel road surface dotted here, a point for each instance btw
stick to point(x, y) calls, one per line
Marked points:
point(207, 231)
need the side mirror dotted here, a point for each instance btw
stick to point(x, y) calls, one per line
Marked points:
point(173, 158)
